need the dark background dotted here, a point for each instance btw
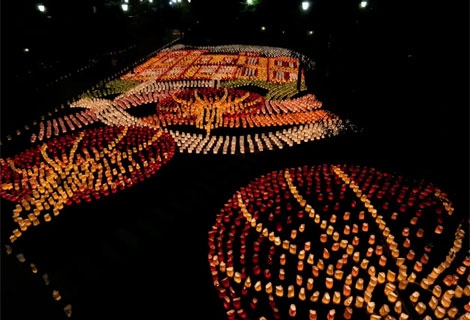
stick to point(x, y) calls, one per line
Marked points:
point(397, 70)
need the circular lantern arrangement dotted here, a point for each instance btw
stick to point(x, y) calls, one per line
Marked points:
point(340, 242)
point(79, 167)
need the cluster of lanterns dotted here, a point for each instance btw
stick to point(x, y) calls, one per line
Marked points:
point(59, 126)
point(199, 64)
point(185, 103)
point(324, 242)
point(112, 114)
point(209, 109)
point(71, 162)
point(108, 86)
point(275, 91)
point(198, 143)
point(263, 50)
point(307, 120)
point(340, 242)
point(79, 167)
point(153, 91)
point(200, 113)
point(257, 120)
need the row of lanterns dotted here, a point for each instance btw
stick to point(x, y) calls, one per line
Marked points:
point(198, 143)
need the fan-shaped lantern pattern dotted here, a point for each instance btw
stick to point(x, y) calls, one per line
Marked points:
point(79, 167)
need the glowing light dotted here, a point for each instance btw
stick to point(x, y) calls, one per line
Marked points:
point(363, 4)
point(126, 1)
point(41, 8)
point(263, 28)
point(26, 49)
point(305, 5)
point(125, 7)
point(310, 32)
point(249, 2)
